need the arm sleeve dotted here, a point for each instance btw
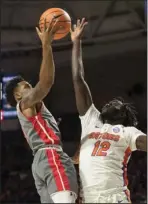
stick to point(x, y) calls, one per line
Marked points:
point(91, 118)
point(131, 134)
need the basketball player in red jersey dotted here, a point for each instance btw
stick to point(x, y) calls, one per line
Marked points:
point(107, 140)
point(53, 171)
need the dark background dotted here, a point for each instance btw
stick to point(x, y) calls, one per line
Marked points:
point(114, 53)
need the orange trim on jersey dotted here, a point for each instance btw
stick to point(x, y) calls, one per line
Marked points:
point(126, 156)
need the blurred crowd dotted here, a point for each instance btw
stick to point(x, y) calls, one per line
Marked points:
point(17, 184)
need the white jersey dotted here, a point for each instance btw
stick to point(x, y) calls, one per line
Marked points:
point(105, 151)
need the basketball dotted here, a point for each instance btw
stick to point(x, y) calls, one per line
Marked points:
point(63, 25)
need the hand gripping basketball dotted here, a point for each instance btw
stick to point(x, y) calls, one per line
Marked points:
point(47, 33)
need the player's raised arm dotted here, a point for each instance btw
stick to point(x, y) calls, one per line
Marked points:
point(82, 92)
point(47, 70)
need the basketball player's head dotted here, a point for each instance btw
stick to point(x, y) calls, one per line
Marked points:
point(117, 112)
point(15, 89)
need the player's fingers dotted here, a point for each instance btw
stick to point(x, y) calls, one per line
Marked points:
point(82, 22)
point(78, 22)
point(38, 31)
point(54, 25)
point(50, 24)
point(44, 24)
point(83, 26)
point(74, 27)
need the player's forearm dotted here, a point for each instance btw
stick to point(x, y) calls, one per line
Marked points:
point(47, 71)
point(77, 63)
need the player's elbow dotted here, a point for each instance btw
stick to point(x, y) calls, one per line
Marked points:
point(141, 143)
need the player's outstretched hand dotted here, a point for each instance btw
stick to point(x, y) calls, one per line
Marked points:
point(78, 29)
point(46, 35)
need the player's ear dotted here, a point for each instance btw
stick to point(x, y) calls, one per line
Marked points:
point(17, 95)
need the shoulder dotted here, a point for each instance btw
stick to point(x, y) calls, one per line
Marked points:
point(91, 118)
point(132, 132)
point(91, 112)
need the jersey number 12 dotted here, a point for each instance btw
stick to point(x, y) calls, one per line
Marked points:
point(100, 149)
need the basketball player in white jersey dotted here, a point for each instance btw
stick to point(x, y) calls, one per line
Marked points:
point(108, 137)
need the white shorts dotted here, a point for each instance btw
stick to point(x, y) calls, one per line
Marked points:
point(116, 196)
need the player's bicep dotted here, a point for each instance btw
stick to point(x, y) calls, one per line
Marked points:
point(83, 96)
point(141, 142)
point(135, 138)
point(35, 95)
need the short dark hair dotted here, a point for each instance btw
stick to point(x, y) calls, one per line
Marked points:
point(9, 88)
